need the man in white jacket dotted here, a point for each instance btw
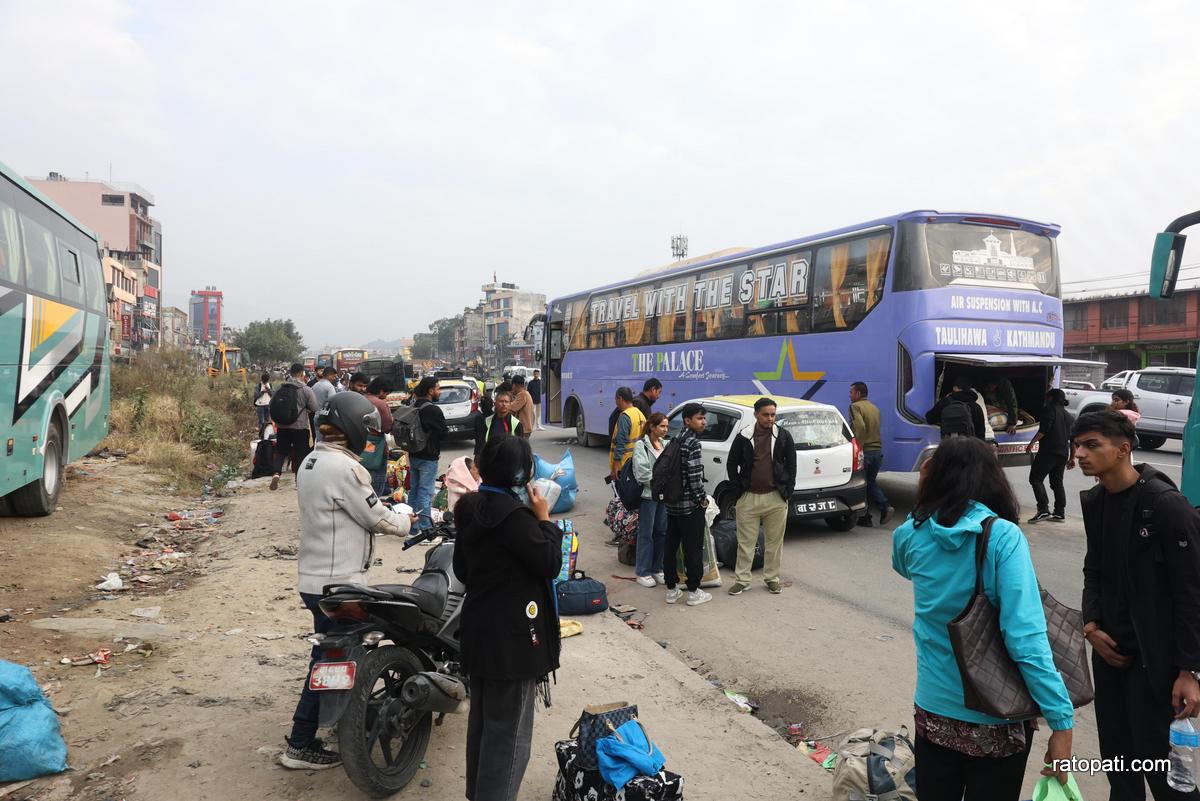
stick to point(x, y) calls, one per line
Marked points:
point(340, 515)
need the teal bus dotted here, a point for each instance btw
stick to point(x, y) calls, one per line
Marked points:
point(54, 367)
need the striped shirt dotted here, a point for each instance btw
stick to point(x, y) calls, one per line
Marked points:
point(693, 475)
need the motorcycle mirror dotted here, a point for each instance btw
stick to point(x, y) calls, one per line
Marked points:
point(448, 517)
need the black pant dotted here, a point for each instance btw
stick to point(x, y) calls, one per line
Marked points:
point(307, 715)
point(687, 530)
point(291, 443)
point(944, 774)
point(1133, 723)
point(1052, 466)
point(499, 734)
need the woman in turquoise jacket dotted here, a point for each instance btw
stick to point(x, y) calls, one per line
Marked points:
point(957, 749)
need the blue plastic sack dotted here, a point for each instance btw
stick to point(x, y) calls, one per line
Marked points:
point(30, 739)
point(562, 474)
point(626, 754)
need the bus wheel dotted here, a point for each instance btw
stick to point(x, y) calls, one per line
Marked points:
point(581, 435)
point(843, 522)
point(41, 497)
point(1147, 442)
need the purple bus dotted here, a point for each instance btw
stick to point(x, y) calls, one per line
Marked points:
point(907, 304)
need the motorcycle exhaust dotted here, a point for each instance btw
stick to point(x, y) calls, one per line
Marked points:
point(433, 692)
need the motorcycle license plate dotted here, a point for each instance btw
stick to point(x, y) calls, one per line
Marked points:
point(810, 507)
point(332, 676)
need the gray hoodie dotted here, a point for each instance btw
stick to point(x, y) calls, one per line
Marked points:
point(339, 518)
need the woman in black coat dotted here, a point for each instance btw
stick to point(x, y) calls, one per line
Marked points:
point(507, 553)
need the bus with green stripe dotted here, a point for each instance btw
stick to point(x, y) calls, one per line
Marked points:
point(54, 365)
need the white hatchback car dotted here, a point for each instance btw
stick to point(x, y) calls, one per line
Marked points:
point(830, 479)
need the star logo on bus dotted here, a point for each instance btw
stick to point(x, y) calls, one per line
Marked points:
point(787, 353)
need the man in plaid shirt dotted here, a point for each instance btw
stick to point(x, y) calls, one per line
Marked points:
point(685, 518)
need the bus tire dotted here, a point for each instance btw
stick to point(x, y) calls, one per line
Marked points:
point(581, 435)
point(1149, 442)
point(40, 497)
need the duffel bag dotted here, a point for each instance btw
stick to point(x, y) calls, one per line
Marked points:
point(875, 764)
point(725, 543)
point(580, 595)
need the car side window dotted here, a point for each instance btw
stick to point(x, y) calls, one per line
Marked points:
point(719, 425)
point(674, 426)
point(1154, 382)
point(1184, 385)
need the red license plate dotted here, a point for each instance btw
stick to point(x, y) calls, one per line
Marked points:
point(332, 676)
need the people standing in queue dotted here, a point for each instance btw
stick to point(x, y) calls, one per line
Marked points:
point(1141, 602)
point(324, 389)
point(262, 402)
point(501, 423)
point(685, 518)
point(507, 554)
point(651, 391)
point(865, 425)
point(1123, 402)
point(1053, 440)
point(522, 406)
point(958, 749)
point(652, 514)
point(535, 392)
point(294, 440)
point(423, 465)
point(339, 518)
point(626, 431)
point(762, 469)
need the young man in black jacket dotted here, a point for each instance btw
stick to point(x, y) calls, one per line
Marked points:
point(423, 465)
point(1141, 602)
point(961, 394)
point(762, 466)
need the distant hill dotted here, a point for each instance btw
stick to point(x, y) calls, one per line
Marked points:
point(386, 346)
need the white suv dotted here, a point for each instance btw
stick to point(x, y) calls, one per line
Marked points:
point(1163, 396)
point(830, 481)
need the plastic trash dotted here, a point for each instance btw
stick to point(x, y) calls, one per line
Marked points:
point(111, 583)
point(147, 611)
point(1185, 740)
point(548, 490)
point(30, 739)
point(1048, 789)
point(742, 701)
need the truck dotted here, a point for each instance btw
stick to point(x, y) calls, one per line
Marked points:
point(1163, 396)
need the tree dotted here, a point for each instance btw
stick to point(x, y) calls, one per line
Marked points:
point(270, 341)
point(422, 347)
point(443, 335)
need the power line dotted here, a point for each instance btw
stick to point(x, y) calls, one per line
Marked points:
point(1145, 276)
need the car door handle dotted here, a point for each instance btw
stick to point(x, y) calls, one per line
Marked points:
point(1177, 401)
point(717, 459)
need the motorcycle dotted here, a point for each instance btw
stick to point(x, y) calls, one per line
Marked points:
point(390, 664)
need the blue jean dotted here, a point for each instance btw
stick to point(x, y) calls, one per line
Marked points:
point(423, 474)
point(264, 417)
point(305, 718)
point(874, 460)
point(651, 537)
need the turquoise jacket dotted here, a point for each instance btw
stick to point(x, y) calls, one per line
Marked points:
point(940, 562)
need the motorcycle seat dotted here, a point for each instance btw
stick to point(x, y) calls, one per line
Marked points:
point(428, 602)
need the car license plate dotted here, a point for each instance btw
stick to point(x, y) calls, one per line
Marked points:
point(332, 676)
point(810, 507)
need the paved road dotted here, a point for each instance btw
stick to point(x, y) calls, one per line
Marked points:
point(834, 650)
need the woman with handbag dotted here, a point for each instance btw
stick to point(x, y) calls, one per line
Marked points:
point(652, 514)
point(506, 554)
point(262, 402)
point(962, 491)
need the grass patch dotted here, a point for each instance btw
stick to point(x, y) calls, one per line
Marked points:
point(175, 420)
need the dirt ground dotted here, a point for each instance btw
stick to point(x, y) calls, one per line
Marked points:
point(208, 658)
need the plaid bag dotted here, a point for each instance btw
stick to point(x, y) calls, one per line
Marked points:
point(594, 723)
point(622, 522)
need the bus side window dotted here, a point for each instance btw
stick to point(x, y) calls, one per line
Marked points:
point(849, 281)
point(72, 275)
point(93, 282)
point(10, 244)
point(577, 322)
point(779, 295)
point(41, 268)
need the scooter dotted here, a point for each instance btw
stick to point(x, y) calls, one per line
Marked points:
point(390, 665)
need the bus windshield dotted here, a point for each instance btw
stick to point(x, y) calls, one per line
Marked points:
point(958, 254)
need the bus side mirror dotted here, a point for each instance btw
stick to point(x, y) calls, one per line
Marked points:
point(1165, 262)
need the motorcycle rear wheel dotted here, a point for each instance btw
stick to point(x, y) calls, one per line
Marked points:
point(381, 740)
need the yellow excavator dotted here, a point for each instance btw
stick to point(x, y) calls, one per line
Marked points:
point(227, 360)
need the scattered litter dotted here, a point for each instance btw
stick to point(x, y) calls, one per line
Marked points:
point(100, 657)
point(885, 637)
point(624, 609)
point(426, 782)
point(5, 618)
point(147, 611)
point(148, 543)
point(796, 730)
point(568, 628)
point(110, 760)
point(268, 751)
point(193, 514)
point(636, 625)
point(274, 635)
point(195, 764)
point(408, 570)
point(423, 764)
point(744, 703)
point(819, 753)
point(277, 552)
point(145, 579)
point(112, 582)
point(233, 632)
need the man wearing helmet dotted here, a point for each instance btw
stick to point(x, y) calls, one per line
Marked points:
point(340, 514)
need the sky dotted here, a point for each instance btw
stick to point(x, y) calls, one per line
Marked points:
point(363, 167)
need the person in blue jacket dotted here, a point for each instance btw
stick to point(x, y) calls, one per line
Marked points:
point(957, 749)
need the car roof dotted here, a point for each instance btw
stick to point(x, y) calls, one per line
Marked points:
point(781, 402)
point(1175, 370)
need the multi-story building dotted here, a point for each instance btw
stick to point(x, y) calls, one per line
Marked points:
point(175, 331)
point(1132, 330)
point(123, 308)
point(506, 312)
point(470, 338)
point(205, 314)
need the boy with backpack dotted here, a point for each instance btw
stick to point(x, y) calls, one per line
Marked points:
point(291, 407)
point(678, 481)
point(959, 413)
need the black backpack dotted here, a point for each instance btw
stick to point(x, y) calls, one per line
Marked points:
point(666, 482)
point(285, 405)
point(957, 420)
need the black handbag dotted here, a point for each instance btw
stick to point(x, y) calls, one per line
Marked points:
point(992, 682)
point(628, 488)
point(594, 723)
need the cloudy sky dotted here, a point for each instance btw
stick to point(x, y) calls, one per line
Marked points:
point(362, 167)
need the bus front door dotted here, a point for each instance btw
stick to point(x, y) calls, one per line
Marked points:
point(554, 360)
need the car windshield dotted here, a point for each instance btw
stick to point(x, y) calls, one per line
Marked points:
point(454, 395)
point(813, 428)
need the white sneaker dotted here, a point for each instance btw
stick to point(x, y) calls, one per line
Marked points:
point(698, 597)
point(674, 595)
point(647, 581)
point(660, 578)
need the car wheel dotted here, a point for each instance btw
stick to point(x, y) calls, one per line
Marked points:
point(842, 522)
point(1148, 442)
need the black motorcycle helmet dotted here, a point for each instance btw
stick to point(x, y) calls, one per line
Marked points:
point(352, 414)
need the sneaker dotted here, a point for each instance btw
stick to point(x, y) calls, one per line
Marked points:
point(886, 515)
point(1039, 517)
point(738, 588)
point(1058, 517)
point(274, 482)
point(774, 587)
point(674, 594)
point(647, 581)
point(314, 756)
point(697, 597)
point(866, 522)
point(660, 578)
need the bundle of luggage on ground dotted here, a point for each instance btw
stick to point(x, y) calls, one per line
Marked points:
point(610, 755)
